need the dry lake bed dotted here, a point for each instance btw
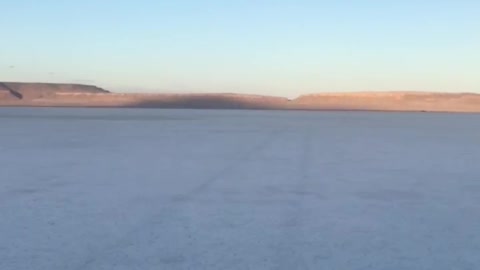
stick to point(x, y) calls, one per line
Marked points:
point(226, 189)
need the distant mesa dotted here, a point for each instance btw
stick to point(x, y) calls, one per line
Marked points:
point(79, 95)
point(41, 90)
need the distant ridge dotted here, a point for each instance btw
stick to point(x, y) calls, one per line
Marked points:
point(38, 90)
point(77, 95)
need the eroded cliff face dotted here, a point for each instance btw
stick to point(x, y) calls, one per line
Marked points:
point(74, 95)
point(30, 91)
point(7, 93)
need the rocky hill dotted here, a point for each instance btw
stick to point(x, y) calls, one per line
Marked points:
point(29, 91)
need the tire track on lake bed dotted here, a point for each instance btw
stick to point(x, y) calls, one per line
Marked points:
point(145, 233)
point(292, 231)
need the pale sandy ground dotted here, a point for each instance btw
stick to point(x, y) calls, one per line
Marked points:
point(188, 189)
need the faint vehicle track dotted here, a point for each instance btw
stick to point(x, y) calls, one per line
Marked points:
point(177, 203)
point(295, 213)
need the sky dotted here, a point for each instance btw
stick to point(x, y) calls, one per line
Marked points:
point(274, 47)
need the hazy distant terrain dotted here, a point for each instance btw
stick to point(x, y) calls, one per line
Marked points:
point(71, 95)
point(90, 189)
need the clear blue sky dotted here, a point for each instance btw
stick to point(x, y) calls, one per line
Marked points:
point(280, 47)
